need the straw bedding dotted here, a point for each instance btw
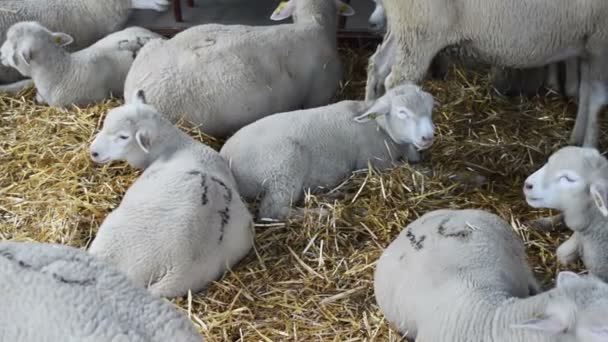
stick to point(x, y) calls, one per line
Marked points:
point(309, 279)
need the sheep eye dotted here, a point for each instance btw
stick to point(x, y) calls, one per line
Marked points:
point(123, 137)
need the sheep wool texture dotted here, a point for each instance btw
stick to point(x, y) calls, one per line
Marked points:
point(55, 293)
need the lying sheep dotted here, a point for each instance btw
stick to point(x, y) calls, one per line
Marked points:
point(52, 292)
point(575, 182)
point(560, 77)
point(81, 78)
point(506, 33)
point(277, 156)
point(224, 77)
point(182, 223)
point(461, 275)
point(87, 21)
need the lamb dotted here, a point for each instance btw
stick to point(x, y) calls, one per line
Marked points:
point(182, 224)
point(560, 77)
point(277, 156)
point(87, 21)
point(51, 292)
point(508, 33)
point(81, 78)
point(462, 275)
point(223, 77)
point(575, 182)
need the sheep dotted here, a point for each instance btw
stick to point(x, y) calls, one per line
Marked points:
point(277, 156)
point(574, 181)
point(87, 21)
point(182, 223)
point(51, 292)
point(462, 275)
point(223, 77)
point(560, 77)
point(503, 33)
point(81, 78)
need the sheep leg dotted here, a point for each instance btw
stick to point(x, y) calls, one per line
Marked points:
point(411, 62)
point(598, 98)
point(551, 223)
point(278, 198)
point(569, 251)
point(380, 64)
point(15, 88)
point(578, 132)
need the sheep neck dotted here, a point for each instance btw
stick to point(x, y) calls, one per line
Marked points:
point(585, 218)
point(169, 140)
point(320, 12)
point(47, 66)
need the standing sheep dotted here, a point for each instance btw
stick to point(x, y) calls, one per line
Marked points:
point(182, 224)
point(224, 77)
point(516, 34)
point(280, 155)
point(63, 78)
point(53, 293)
point(87, 21)
point(561, 76)
point(575, 182)
point(462, 276)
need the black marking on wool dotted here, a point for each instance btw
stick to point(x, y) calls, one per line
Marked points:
point(415, 242)
point(204, 186)
point(85, 282)
point(224, 213)
point(9, 256)
point(461, 234)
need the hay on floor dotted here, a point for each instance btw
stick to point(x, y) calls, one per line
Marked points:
point(309, 279)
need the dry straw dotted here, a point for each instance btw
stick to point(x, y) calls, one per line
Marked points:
point(309, 279)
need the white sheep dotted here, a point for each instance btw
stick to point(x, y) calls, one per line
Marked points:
point(575, 182)
point(63, 78)
point(462, 275)
point(280, 155)
point(224, 77)
point(51, 292)
point(182, 224)
point(503, 32)
point(87, 21)
point(508, 81)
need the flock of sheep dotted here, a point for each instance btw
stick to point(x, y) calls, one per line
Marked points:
point(456, 275)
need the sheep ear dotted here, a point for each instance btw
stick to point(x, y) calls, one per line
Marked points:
point(550, 324)
point(599, 334)
point(139, 97)
point(284, 10)
point(143, 140)
point(381, 107)
point(25, 55)
point(599, 193)
point(344, 9)
point(62, 39)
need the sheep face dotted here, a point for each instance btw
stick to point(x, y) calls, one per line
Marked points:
point(405, 114)
point(573, 178)
point(126, 134)
point(578, 312)
point(25, 41)
point(377, 20)
point(288, 9)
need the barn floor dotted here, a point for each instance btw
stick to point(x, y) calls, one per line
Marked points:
point(308, 279)
point(236, 12)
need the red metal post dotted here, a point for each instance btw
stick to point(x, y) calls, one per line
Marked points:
point(177, 11)
point(191, 3)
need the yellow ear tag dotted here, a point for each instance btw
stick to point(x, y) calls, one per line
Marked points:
point(58, 40)
point(342, 9)
point(280, 7)
point(599, 204)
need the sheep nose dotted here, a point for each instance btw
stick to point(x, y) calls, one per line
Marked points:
point(94, 154)
point(373, 25)
point(427, 138)
point(528, 186)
